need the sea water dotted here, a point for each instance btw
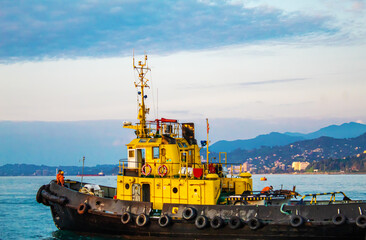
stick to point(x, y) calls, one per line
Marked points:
point(21, 217)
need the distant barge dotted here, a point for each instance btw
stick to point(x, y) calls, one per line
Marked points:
point(91, 175)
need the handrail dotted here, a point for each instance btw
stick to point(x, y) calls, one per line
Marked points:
point(332, 197)
point(225, 158)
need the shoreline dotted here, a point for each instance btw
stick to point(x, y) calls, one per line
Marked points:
point(312, 173)
point(254, 174)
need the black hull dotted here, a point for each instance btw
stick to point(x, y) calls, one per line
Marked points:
point(104, 216)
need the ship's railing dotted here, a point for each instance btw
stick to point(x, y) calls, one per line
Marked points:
point(172, 129)
point(182, 169)
point(332, 196)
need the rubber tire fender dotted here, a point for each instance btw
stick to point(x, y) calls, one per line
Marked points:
point(39, 194)
point(189, 213)
point(361, 221)
point(296, 220)
point(217, 222)
point(83, 208)
point(339, 219)
point(254, 223)
point(235, 222)
point(201, 222)
point(126, 217)
point(142, 220)
point(164, 221)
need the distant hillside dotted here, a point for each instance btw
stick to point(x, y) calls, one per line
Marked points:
point(346, 130)
point(349, 164)
point(272, 139)
point(307, 150)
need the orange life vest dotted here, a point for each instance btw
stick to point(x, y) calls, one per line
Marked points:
point(266, 189)
point(60, 179)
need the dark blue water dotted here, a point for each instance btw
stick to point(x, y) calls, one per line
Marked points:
point(21, 217)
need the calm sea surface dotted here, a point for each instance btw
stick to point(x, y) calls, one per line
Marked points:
point(21, 217)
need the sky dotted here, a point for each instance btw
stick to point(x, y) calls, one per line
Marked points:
point(251, 67)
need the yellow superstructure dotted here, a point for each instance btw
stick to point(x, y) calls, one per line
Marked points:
point(164, 163)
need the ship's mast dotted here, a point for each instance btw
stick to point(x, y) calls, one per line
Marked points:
point(141, 84)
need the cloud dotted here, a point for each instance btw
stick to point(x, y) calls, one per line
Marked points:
point(58, 29)
point(274, 81)
point(242, 84)
point(358, 6)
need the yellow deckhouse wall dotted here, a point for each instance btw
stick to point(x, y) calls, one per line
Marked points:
point(170, 190)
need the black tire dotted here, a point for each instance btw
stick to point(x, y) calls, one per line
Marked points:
point(45, 202)
point(83, 208)
point(142, 220)
point(39, 194)
point(164, 221)
point(201, 222)
point(126, 218)
point(361, 221)
point(217, 222)
point(296, 221)
point(339, 219)
point(189, 213)
point(235, 222)
point(254, 223)
point(240, 203)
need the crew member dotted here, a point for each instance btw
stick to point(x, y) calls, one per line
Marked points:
point(267, 189)
point(60, 178)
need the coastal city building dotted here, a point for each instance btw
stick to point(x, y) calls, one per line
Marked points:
point(300, 166)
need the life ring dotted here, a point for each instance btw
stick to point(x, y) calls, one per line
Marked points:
point(235, 222)
point(201, 222)
point(83, 207)
point(189, 213)
point(143, 169)
point(254, 223)
point(164, 221)
point(339, 219)
point(162, 170)
point(296, 220)
point(217, 222)
point(126, 218)
point(361, 221)
point(142, 220)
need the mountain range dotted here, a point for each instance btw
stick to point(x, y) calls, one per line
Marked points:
point(103, 142)
point(346, 130)
point(312, 150)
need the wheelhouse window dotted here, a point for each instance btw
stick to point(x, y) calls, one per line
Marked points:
point(183, 156)
point(155, 152)
point(131, 153)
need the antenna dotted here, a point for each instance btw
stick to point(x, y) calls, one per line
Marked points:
point(82, 173)
point(141, 84)
point(133, 57)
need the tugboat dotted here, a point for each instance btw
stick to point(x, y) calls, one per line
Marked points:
point(165, 191)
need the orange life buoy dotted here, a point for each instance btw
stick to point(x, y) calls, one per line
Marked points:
point(162, 170)
point(144, 171)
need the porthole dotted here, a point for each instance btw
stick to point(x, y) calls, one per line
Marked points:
point(175, 190)
point(127, 186)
